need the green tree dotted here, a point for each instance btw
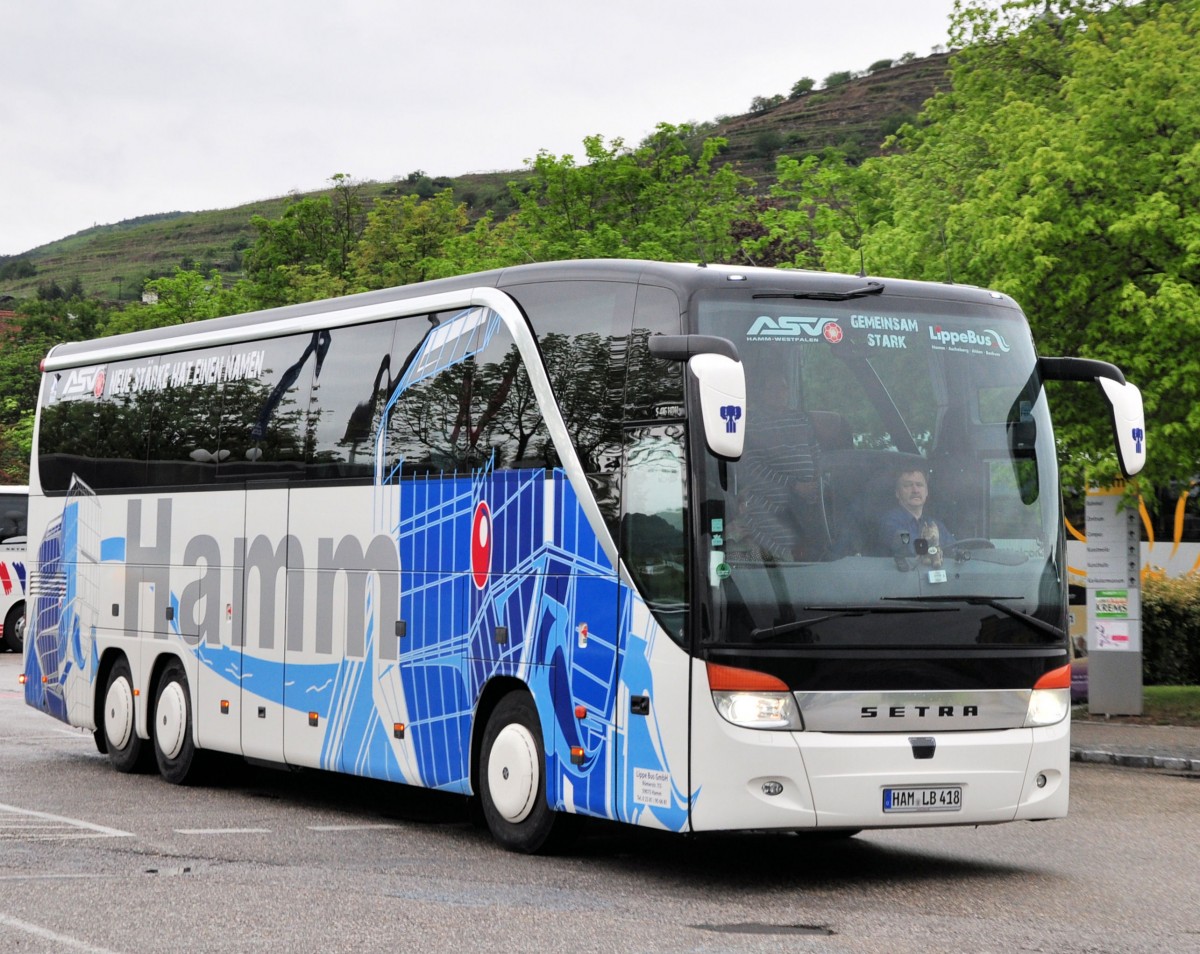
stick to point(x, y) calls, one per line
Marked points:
point(820, 211)
point(663, 200)
point(185, 296)
point(1063, 167)
point(802, 87)
point(406, 240)
point(39, 325)
point(309, 248)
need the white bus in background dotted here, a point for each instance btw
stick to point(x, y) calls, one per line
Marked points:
point(527, 536)
point(14, 504)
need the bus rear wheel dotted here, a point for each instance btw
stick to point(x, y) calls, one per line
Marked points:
point(125, 750)
point(174, 750)
point(512, 781)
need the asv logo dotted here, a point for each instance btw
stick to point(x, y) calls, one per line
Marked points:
point(81, 381)
point(791, 326)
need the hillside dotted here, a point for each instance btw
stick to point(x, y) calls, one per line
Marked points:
point(112, 261)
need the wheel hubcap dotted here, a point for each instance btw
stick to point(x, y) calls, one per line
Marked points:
point(513, 773)
point(118, 714)
point(170, 720)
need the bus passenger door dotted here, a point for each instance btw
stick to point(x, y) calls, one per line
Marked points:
point(264, 621)
point(652, 781)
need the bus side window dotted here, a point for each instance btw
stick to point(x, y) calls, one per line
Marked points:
point(464, 401)
point(184, 417)
point(654, 520)
point(13, 511)
point(582, 328)
point(263, 421)
point(653, 387)
point(94, 428)
point(346, 404)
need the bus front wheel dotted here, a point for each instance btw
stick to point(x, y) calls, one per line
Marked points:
point(512, 780)
point(174, 749)
point(125, 749)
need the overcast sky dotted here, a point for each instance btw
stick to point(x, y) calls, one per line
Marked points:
point(111, 109)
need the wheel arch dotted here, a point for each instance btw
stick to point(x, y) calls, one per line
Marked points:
point(108, 659)
point(495, 690)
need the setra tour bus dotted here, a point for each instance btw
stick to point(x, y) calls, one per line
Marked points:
point(593, 538)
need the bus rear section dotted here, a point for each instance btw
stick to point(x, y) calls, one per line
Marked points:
point(14, 507)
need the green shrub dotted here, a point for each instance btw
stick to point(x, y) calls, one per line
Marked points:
point(1171, 630)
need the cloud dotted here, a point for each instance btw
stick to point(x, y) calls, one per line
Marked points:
point(118, 109)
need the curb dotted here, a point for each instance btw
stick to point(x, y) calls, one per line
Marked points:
point(1102, 757)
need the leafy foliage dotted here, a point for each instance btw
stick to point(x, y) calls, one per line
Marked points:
point(1171, 630)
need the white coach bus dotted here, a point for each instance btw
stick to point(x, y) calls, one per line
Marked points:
point(14, 502)
point(602, 538)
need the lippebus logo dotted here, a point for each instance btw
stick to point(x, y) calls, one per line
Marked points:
point(794, 328)
point(970, 338)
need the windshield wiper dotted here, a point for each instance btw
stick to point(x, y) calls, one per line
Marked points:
point(870, 288)
point(833, 612)
point(995, 603)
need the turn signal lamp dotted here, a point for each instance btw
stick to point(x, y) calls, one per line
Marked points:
point(1050, 701)
point(752, 699)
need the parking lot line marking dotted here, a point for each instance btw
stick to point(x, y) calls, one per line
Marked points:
point(61, 940)
point(222, 831)
point(74, 823)
point(349, 827)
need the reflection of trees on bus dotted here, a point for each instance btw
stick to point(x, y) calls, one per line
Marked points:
point(321, 398)
point(463, 415)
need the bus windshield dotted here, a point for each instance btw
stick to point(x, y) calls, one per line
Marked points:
point(898, 484)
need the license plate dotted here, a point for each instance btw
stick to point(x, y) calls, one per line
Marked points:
point(923, 798)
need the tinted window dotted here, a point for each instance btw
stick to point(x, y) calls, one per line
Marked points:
point(184, 413)
point(94, 427)
point(654, 388)
point(347, 401)
point(464, 400)
point(13, 511)
point(583, 332)
point(264, 419)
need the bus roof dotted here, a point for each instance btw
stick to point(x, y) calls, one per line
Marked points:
point(685, 279)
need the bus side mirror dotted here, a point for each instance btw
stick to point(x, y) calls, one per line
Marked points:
point(722, 403)
point(1129, 423)
point(1124, 399)
point(717, 368)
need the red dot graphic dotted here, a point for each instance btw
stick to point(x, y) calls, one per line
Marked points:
point(481, 545)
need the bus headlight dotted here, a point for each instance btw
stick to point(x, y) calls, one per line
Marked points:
point(1048, 706)
point(759, 710)
point(1050, 701)
point(754, 700)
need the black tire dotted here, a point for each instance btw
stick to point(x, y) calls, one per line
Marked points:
point(126, 751)
point(512, 781)
point(14, 628)
point(171, 729)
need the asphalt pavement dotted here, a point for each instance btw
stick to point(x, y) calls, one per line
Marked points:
point(1108, 742)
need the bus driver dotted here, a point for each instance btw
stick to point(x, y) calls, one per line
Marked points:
point(906, 523)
